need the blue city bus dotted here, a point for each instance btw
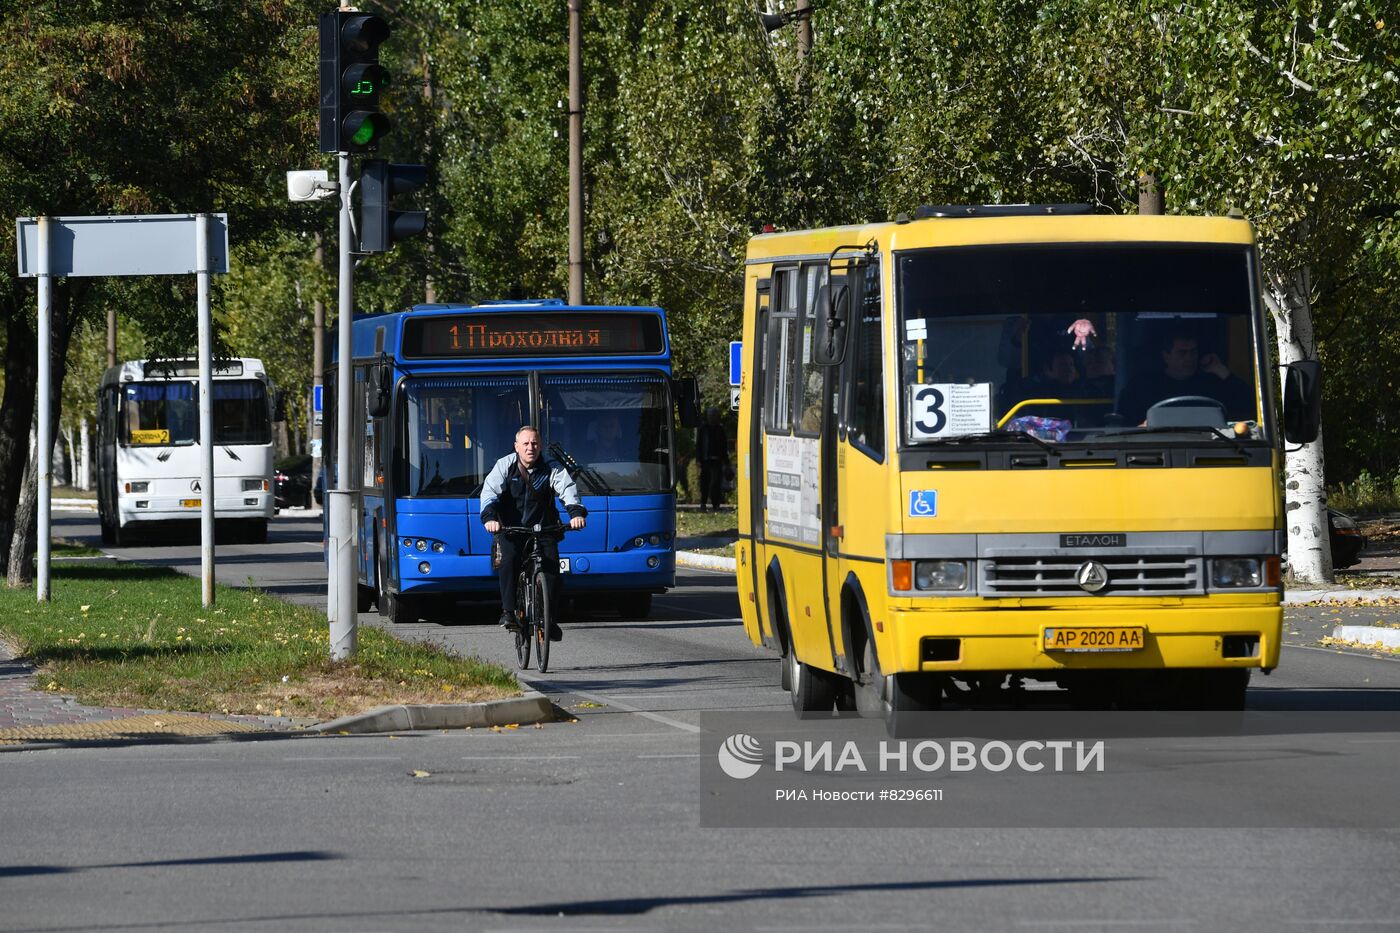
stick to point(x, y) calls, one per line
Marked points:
point(439, 392)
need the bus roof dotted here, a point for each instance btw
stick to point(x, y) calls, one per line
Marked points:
point(243, 367)
point(376, 333)
point(999, 228)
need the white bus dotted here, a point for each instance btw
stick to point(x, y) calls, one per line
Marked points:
point(148, 466)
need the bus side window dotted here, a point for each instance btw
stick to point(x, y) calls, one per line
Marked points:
point(778, 372)
point(809, 421)
point(867, 418)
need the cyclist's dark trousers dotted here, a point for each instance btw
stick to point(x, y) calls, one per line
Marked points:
point(512, 550)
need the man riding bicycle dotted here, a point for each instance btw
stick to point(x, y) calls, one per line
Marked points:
point(520, 491)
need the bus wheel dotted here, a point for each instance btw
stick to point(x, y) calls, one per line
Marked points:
point(910, 697)
point(634, 605)
point(870, 695)
point(785, 678)
point(403, 610)
point(364, 597)
point(107, 536)
point(813, 690)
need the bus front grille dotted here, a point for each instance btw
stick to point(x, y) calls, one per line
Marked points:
point(1058, 576)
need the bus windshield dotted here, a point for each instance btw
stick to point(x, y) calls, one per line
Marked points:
point(617, 428)
point(1079, 342)
point(166, 414)
point(456, 428)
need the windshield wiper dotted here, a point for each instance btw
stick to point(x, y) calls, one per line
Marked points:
point(588, 473)
point(1180, 429)
point(1004, 434)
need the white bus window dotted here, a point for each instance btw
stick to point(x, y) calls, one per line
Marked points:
point(241, 414)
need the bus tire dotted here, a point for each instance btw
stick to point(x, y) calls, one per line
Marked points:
point(634, 605)
point(107, 536)
point(909, 697)
point(401, 610)
point(813, 690)
point(870, 690)
point(364, 597)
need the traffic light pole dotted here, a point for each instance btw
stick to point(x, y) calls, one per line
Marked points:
point(342, 513)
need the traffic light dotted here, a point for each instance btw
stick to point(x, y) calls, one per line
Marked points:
point(381, 227)
point(351, 82)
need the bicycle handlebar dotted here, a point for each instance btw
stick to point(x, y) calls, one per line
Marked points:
point(533, 529)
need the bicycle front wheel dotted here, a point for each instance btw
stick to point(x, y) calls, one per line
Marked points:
point(542, 613)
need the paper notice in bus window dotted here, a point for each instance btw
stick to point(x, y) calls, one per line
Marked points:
point(949, 409)
point(150, 436)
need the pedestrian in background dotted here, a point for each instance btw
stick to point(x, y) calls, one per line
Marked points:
point(712, 450)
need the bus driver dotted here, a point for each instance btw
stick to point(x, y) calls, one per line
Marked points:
point(520, 491)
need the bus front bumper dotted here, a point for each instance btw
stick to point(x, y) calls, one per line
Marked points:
point(429, 572)
point(1016, 639)
point(165, 509)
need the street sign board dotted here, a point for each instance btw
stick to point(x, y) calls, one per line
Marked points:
point(736, 362)
point(733, 399)
point(316, 399)
point(144, 244)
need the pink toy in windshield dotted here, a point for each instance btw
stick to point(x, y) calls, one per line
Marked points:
point(1082, 329)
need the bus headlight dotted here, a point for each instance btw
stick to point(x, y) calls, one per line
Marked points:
point(940, 575)
point(439, 547)
point(654, 540)
point(638, 541)
point(408, 542)
point(420, 545)
point(1236, 571)
point(254, 485)
point(138, 487)
point(425, 567)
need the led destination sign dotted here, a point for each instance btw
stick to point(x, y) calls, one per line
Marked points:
point(532, 334)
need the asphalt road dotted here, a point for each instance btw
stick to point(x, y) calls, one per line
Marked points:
point(595, 825)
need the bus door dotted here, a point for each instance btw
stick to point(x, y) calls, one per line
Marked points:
point(795, 390)
point(854, 481)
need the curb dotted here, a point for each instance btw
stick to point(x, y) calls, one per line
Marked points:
point(532, 707)
point(1360, 597)
point(71, 505)
point(705, 561)
point(1368, 636)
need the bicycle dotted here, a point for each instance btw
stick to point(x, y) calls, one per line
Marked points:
point(534, 597)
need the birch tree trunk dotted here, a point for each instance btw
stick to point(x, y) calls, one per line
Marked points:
point(70, 469)
point(20, 571)
point(84, 456)
point(1288, 296)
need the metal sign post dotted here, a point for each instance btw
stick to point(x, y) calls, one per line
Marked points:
point(44, 454)
point(206, 413)
point(140, 244)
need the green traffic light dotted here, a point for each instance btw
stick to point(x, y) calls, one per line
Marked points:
point(364, 134)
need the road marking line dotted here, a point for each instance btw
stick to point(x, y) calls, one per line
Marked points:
point(520, 757)
point(344, 758)
point(608, 701)
point(686, 755)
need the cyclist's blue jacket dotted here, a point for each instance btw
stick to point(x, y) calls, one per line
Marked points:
point(513, 497)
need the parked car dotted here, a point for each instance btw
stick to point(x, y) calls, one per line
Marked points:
point(293, 483)
point(319, 489)
point(1346, 539)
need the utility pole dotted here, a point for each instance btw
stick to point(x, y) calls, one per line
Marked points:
point(802, 12)
point(575, 152)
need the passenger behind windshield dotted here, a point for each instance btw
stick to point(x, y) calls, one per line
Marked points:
point(1186, 371)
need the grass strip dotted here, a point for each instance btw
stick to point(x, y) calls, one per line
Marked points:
point(119, 634)
point(692, 523)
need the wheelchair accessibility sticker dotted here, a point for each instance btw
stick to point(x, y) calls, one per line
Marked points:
point(923, 503)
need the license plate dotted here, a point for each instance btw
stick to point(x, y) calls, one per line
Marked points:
point(563, 565)
point(1095, 639)
point(190, 503)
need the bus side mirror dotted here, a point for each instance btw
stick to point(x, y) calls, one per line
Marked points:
point(832, 309)
point(381, 390)
point(1302, 401)
point(687, 393)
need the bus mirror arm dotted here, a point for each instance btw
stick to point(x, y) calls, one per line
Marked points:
point(687, 395)
point(382, 375)
point(832, 305)
point(1302, 401)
